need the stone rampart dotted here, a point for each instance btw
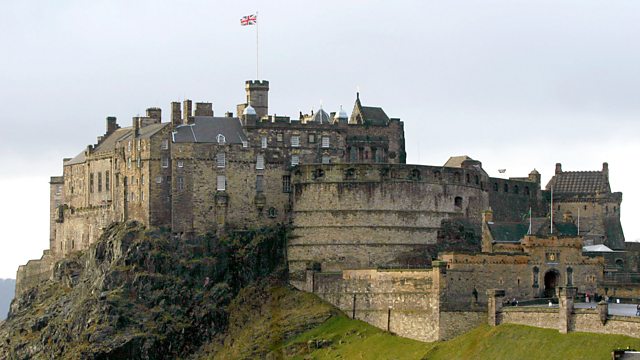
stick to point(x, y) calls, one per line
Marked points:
point(34, 272)
point(348, 216)
point(404, 302)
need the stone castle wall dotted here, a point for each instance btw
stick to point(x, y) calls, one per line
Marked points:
point(405, 302)
point(350, 216)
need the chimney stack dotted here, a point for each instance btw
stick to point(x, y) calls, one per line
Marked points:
point(112, 125)
point(187, 112)
point(605, 169)
point(176, 114)
point(155, 113)
point(558, 168)
point(204, 109)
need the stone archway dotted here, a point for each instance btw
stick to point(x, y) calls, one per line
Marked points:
point(551, 282)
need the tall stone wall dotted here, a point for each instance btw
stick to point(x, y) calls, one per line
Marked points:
point(350, 216)
point(405, 302)
point(511, 199)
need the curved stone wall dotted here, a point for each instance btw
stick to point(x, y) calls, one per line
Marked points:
point(349, 216)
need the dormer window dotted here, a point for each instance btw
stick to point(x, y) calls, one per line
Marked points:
point(221, 139)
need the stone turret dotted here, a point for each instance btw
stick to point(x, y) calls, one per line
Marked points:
point(534, 176)
point(258, 96)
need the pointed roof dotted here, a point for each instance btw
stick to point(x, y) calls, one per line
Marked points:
point(367, 114)
point(321, 117)
point(456, 161)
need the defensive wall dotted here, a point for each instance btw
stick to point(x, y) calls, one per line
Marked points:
point(405, 302)
point(566, 318)
point(352, 216)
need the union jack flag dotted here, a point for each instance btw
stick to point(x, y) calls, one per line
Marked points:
point(249, 20)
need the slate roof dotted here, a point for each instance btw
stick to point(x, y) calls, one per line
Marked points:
point(508, 232)
point(515, 231)
point(321, 117)
point(108, 144)
point(579, 182)
point(205, 129)
point(374, 115)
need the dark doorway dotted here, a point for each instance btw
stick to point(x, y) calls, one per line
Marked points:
point(551, 281)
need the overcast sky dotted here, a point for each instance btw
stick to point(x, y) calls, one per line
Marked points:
point(515, 84)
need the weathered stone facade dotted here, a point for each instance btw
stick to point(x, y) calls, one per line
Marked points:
point(365, 223)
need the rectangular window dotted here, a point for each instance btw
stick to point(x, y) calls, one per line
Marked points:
point(129, 163)
point(91, 182)
point(220, 160)
point(165, 144)
point(180, 183)
point(326, 159)
point(279, 137)
point(263, 142)
point(107, 181)
point(99, 182)
point(312, 138)
point(260, 162)
point(158, 179)
point(139, 143)
point(286, 183)
point(245, 144)
point(325, 142)
point(295, 160)
point(165, 161)
point(259, 183)
point(142, 196)
point(180, 163)
point(129, 146)
point(295, 141)
point(221, 183)
point(142, 180)
point(139, 162)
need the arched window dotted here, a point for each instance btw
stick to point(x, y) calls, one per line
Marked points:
point(569, 276)
point(477, 179)
point(468, 177)
point(457, 202)
point(495, 186)
point(437, 175)
point(414, 175)
point(506, 188)
point(619, 263)
point(516, 189)
point(221, 139)
point(526, 190)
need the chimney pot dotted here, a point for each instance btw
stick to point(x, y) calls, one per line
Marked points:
point(558, 168)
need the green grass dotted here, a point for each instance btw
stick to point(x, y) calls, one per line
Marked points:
point(343, 338)
point(524, 342)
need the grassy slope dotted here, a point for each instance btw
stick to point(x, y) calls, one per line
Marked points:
point(525, 342)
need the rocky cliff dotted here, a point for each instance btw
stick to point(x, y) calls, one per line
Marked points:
point(145, 294)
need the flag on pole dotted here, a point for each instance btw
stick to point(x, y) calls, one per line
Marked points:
point(249, 20)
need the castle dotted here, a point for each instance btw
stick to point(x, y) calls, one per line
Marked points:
point(366, 225)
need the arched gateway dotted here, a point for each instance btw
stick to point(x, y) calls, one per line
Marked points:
point(551, 282)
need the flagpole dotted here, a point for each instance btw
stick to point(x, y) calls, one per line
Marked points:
point(530, 223)
point(551, 210)
point(257, 48)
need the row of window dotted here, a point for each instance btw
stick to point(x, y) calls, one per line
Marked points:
point(107, 181)
point(221, 183)
point(295, 140)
